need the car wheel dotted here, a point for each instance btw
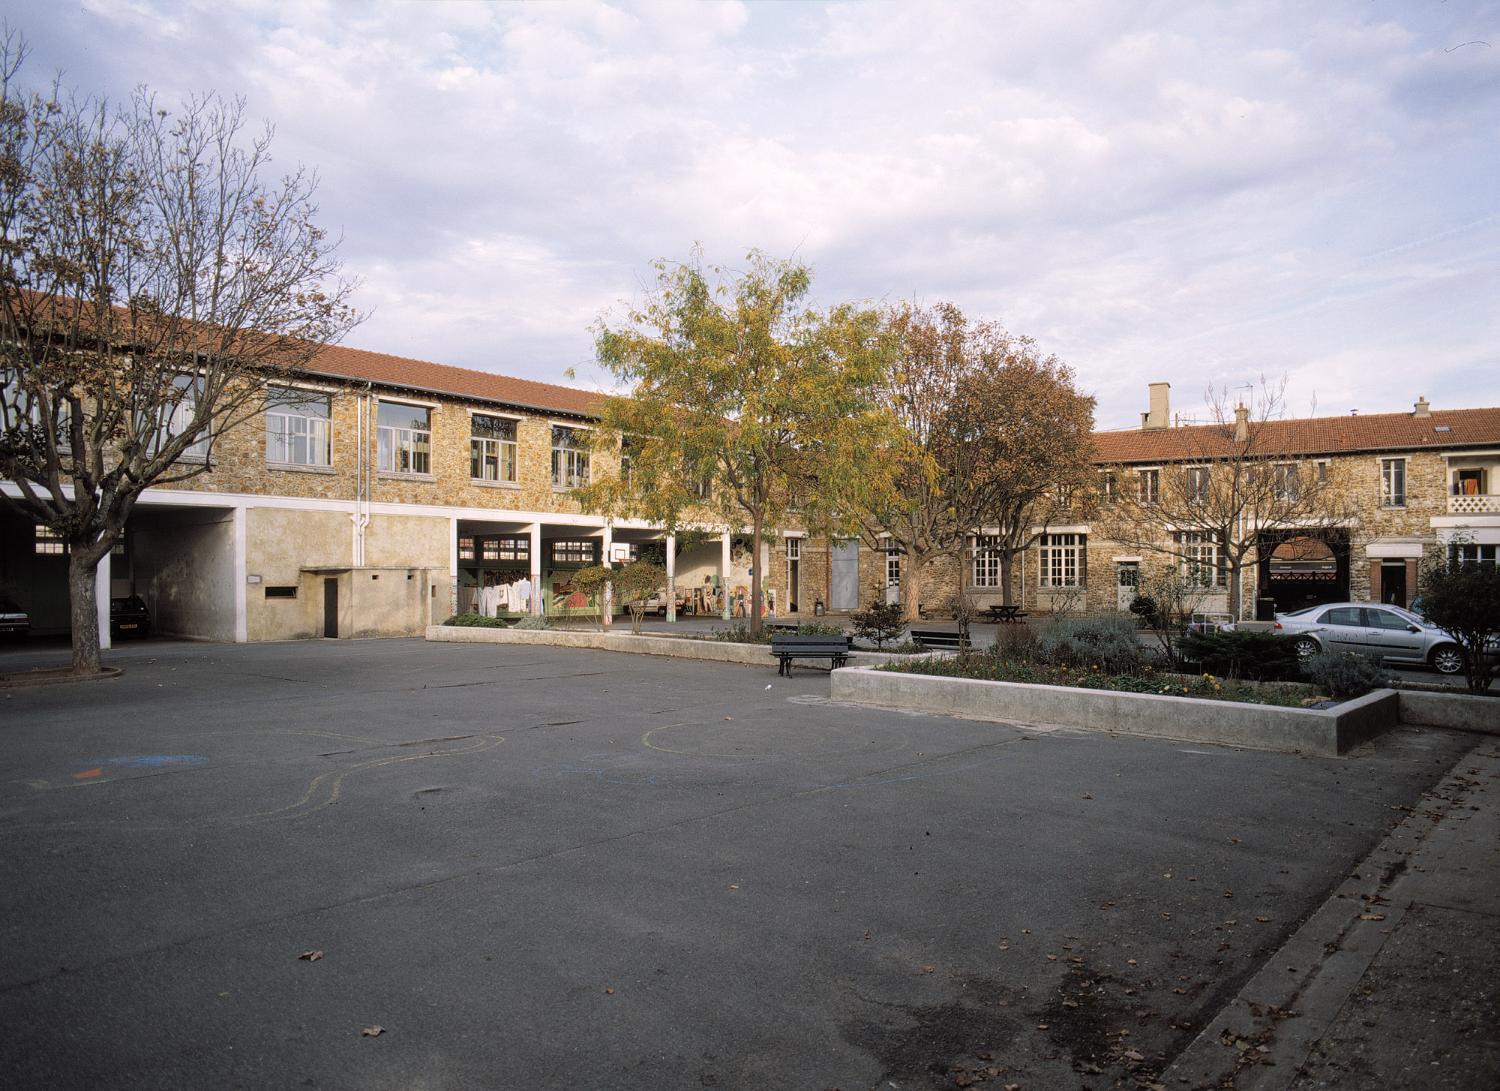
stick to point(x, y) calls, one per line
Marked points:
point(1447, 659)
point(1307, 647)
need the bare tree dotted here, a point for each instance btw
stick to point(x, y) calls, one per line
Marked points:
point(1225, 484)
point(151, 281)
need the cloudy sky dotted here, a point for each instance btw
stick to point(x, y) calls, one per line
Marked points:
point(1201, 194)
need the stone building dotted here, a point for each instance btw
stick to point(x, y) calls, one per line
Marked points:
point(375, 495)
point(378, 494)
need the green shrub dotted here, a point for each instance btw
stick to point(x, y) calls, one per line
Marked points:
point(1258, 656)
point(815, 628)
point(479, 621)
point(1343, 675)
point(1107, 642)
point(534, 621)
point(881, 622)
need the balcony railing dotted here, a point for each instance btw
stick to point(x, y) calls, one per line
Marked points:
point(1474, 504)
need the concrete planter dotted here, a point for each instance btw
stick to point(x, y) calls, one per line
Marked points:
point(1327, 732)
point(717, 651)
point(1462, 711)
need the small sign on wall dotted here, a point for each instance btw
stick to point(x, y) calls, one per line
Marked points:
point(252, 578)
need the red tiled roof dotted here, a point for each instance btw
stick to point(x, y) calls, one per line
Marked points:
point(340, 362)
point(1308, 436)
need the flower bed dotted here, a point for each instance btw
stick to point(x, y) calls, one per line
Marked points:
point(988, 668)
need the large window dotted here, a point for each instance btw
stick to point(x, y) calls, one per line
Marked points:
point(575, 551)
point(492, 448)
point(1200, 560)
point(1284, 482)
point(297, 427)
point(404, 435)
point(1062, 560)
point(1149, 485)
point(1195, 484)
point(1472, 553)
point(570, 457)
point(1109, 487)
point(985, 570)
point(1393, 482)
point(177, 417)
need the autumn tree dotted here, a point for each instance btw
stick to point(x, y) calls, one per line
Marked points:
point(1022, 437)
point(744, 402)
point(919, 496)
point(152, 277)
point(1223, 485)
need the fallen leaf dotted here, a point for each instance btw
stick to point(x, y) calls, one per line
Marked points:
point(373, 1032)
point(1041, 1026)
point(1263, 920)
point(1087, 796)
point(1372, 916)
point(1134, 1055)
point(928, 969)
point(1051, 958)
point(311, 956)
point(608, 991)
point(1130, 962)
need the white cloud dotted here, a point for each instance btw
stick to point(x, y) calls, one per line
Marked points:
point(1189, 193)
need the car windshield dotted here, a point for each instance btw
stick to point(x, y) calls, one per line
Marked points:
point(1403, 613)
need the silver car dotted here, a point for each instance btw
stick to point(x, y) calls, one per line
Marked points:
point(1394, 634)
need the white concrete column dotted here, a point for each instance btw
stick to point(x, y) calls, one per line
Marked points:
point(724, 552)
point(606, 615)
point(672, 577)
point(452, 567)
point(241, 613)
point(101, 597)
point(535, 530)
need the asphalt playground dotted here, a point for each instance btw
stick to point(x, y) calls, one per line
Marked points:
point(529, 867)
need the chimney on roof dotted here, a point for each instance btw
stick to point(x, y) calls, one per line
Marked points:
point(1160, 415)
point(1422, 408)
point(1241, 423)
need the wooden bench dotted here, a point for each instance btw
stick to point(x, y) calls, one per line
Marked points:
point(936, 638)
point(787, 648)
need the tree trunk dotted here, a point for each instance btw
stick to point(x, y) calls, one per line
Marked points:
point(756, 575)
point(911, 587)
point(83, 602)
point(1007, 562)
point(1234, 590)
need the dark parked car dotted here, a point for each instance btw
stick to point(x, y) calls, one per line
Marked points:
point(129, 617)
point(14, 621)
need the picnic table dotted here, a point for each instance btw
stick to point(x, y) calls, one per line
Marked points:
point(1012, 614)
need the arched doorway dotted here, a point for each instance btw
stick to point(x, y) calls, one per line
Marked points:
point(1299, 568)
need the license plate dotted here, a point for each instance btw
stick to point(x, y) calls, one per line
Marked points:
point(129, 625)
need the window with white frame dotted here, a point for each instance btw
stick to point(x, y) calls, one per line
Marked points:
point(1109, 487)
point(404, 438)
point(1149, 486)
point(298, 431)
point(1195, 484)
point(1200, 561)
point(575, 551)
point(1472, 553)
point(492, 448)
point(985, 566)
point(570, 457)
point(1393, 482)
point(1062, 559)
point(1284, 483)
point(630, 447)
point(893, 566)
point(794, 549)
point(176, 417)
